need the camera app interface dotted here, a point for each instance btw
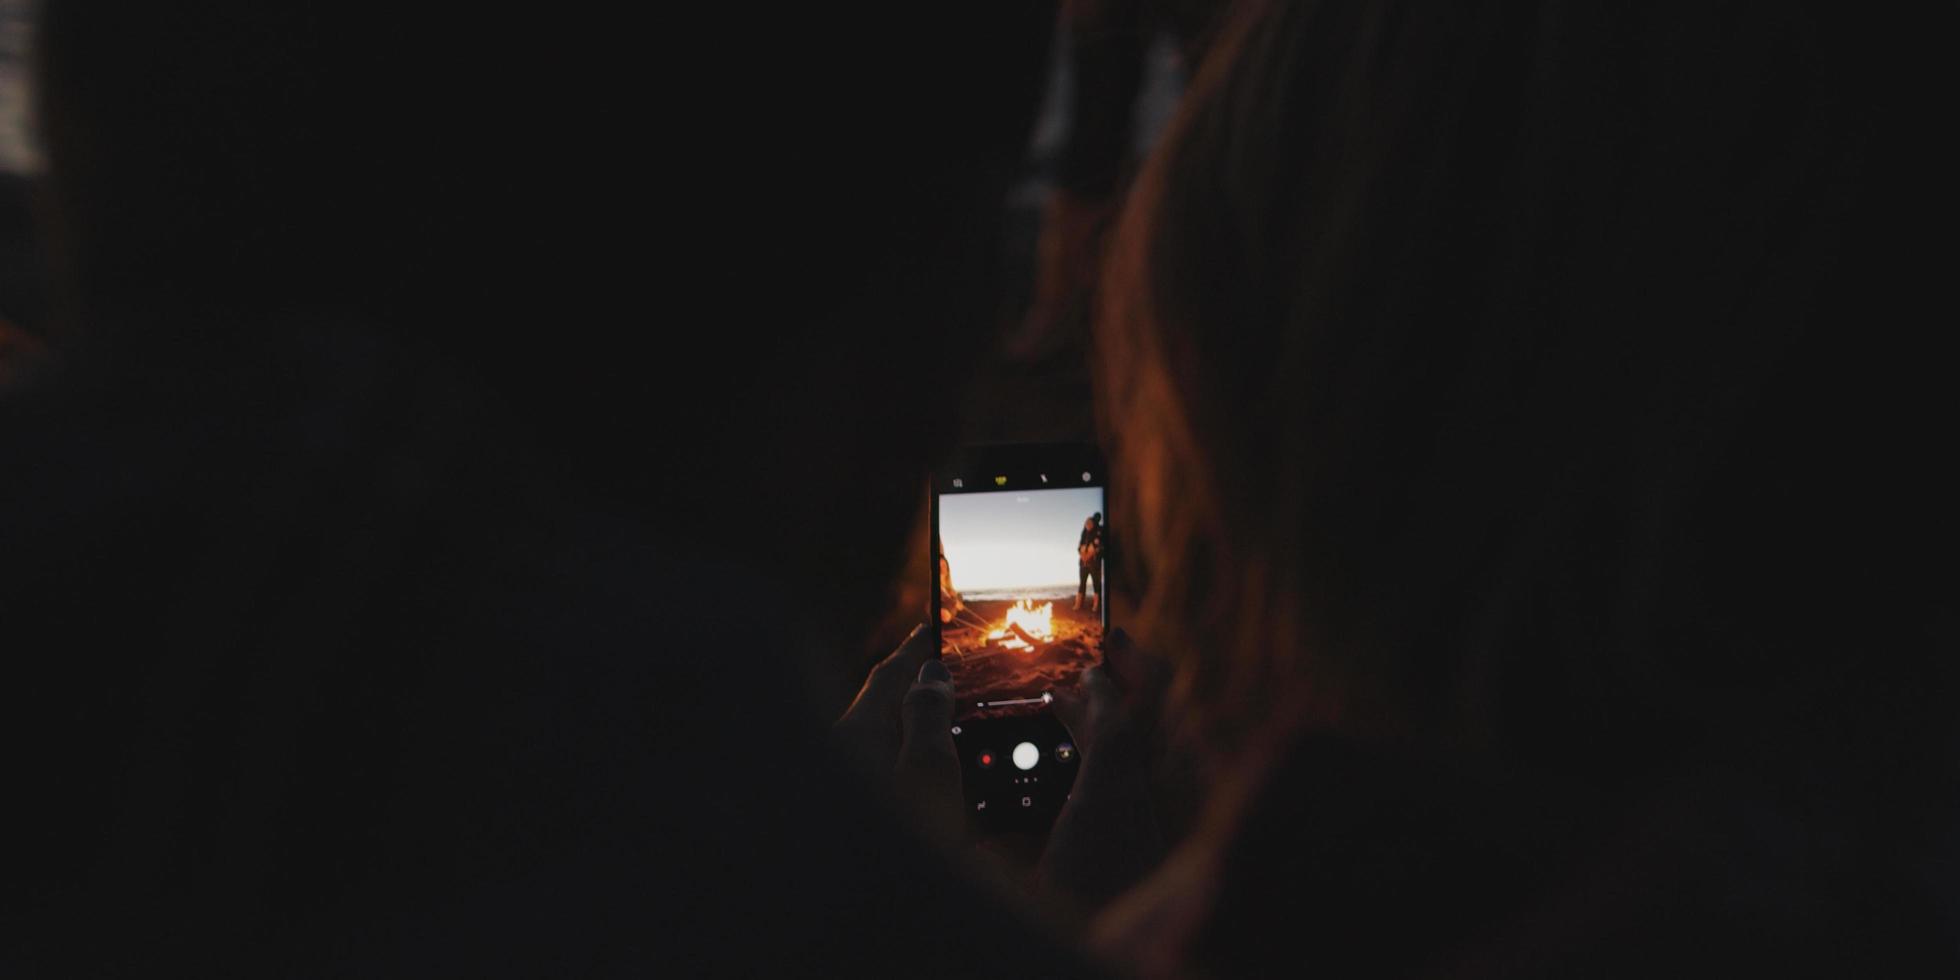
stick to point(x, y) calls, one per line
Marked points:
point(1021, 603)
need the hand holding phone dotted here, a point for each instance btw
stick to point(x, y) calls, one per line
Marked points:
point(899, 724)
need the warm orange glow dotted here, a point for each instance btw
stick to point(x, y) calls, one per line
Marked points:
point(1036, 620)
point(1026, 623)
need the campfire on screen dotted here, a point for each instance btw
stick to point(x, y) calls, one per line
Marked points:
point(1026, 625)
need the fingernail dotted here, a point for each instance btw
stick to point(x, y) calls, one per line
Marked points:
point(934, 672)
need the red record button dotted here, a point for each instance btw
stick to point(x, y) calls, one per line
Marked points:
point(986, 760)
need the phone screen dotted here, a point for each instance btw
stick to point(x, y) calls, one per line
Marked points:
point(1020, 539)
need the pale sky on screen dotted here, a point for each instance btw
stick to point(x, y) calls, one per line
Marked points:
point(1014, 538)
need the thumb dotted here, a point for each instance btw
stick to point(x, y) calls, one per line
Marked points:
point(1088, 708)
point(928, 771)
point(926, 715)
point(1072, 709)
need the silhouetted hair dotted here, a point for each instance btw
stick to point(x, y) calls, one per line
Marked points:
point(1513, 377)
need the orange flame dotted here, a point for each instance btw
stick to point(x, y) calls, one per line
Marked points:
point(1036, 622)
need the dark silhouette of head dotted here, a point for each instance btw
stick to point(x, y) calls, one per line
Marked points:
point(1514, 380)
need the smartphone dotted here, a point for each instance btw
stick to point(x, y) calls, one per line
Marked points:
point(1019, 607)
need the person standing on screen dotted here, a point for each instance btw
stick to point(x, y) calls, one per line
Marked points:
point(1089, 575)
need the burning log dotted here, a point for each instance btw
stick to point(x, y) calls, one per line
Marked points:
point(1027, 626)
point(1036, 622)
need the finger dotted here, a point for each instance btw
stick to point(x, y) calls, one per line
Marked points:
point(928, 771)
point(1073, 712)
point(1099, 688)
point(1091, 711)
point(1136, 668)
point(868, 731)
point(887, 683)
point(894, 674)
point(926, 719)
